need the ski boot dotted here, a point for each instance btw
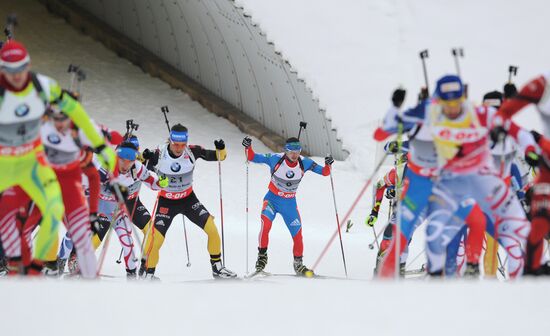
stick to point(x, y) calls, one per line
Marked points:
point(402, 267)
point(149, 275)
point(72, 264)
point(544, 269)
point(472, 271)
point(50, 269)
point(131, 274)
point(301, 269)
point(261, 262)
point(3, 267)
point(220, 272)
point(61, 265)
point(142, 268)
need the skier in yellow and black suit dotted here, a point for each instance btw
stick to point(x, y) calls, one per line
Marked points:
point(24, 97)
point(176, 161)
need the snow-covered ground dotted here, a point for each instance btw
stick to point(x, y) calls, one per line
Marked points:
point(184, 302)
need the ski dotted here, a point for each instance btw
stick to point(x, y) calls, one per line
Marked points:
point(258, 274)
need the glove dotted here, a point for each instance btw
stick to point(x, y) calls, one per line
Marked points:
point(220, 144)
point(531, 157)
point(94, 223)
point(163, 181)
point(398, 97)
point(392, 147)
point(372, 219)
point(390, 193)
point(247, 142)
point(536, 135)
point(423, 94)
point(329, 160)
point(106, 156)
point(499, 130)
point(147, 154)
point(510, 90)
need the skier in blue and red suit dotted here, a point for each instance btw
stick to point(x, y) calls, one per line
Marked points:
point(287, 170)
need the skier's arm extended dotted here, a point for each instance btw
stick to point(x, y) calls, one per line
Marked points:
point(257, 158)
point(309, 164)
point(207, 154)
point(386, 183)
point(409, 119)
point(530, 93)
point(149, 178)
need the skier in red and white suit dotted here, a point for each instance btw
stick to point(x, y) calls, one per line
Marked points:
point(537, 92)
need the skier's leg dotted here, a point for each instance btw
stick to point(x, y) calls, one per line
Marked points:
point(123, 230)
point(164, 214)
point(414, 200)
point(29, 224)
point(78, 221)
point(490, 260)
point(141, 216)
point(476, 223)
point(267, 216)
point(495, 198)
point(540, 214)
point(66, 247)
point(10, 233)
point(451, 262)
point(199, 215)
point(43, 188)
point(442, 226)
point(289, 211)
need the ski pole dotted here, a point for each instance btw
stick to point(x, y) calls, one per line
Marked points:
point(119, 260)
point(186, 245)
point(221, 205)
point(303, 125)
point(164, 110)
point(11, 23)
point(354, 204)
point(375, 240)
point(457, 52)
point(512, 71)
point(338, 223)
point(149, 230)
point(247, 163)
point(423, 56)
point(107, 238)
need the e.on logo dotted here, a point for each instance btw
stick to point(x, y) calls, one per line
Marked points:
point(459, 135)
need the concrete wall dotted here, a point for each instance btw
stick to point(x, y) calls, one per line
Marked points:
point(215, 44)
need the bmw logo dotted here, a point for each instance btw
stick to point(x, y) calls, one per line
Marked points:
point(175, 167)
point(54, 139)
point(22, 110)
point(290, 174)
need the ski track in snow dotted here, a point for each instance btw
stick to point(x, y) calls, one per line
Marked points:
point(184, 301)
